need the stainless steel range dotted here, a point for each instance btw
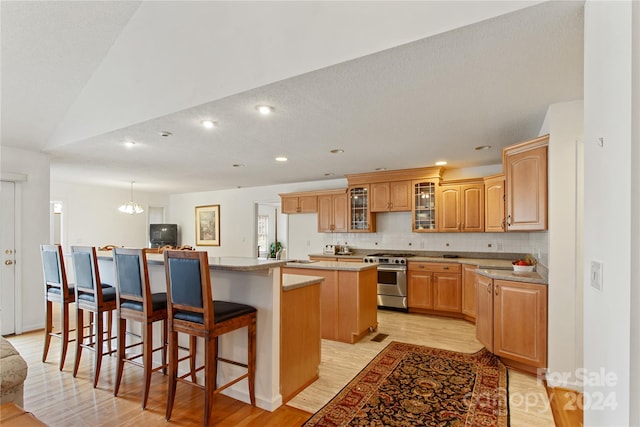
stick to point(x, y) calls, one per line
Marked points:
point(392, 279)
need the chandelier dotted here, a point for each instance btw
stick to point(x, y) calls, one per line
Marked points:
point(131, 207)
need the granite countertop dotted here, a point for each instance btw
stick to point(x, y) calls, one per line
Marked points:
point(217, 263)
point(295, 281)
point(480, 262)
point(332, 265)
point(533, 277)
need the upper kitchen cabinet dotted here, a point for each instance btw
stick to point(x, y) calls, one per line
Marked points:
point(360, 217)
point(293, 203)
point(424, 205)
point(332, 212)
point(461, 206)
point(494, 214)
point(525, 166)
point(392, 196)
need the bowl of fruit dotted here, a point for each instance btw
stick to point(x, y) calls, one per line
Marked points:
point(526, 265)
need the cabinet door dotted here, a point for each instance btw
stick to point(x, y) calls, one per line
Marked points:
point(469, 290)
point(526, 185)
point(449, 209)
point(289, 205)
point(447, 292)
point(472, 207)
point(359, 215)
point(325, 213)
point(340, 209)
point(423, 199)
point(307, 204)
point(494, 216)
point(420, 290)
point(484, 311)
point(380, 197)
point(520, 322)
point(400, 196)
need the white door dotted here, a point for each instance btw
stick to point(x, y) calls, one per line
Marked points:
point(7, 268)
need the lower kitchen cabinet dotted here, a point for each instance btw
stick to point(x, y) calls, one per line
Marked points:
point(348, 302)
point(434, 287)
point(469, 290)
point(511, 321)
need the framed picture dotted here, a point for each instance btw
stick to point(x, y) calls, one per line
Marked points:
point(208, 225)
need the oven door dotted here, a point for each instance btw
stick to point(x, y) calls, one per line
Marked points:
point(392, 280)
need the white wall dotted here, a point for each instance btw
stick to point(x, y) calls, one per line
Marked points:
point(610, 114)
point(564, 123)
point(91, 216)
point(34, 207)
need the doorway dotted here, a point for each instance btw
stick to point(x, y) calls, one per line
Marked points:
point(7, 268)
point(270, 227)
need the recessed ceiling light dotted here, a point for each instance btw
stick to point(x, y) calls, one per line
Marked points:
point(281, 159)
point(337, 151)
point(129, 144)
point(483, 147)
point(165, 133)
point(209, 124)
point(381, 169)
point(265, 109)
point(329, 174)
point(441, 163)
point(238, 165)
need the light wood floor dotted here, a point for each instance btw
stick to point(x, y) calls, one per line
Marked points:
point(61, 400)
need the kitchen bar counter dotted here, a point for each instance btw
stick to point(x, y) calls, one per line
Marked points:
point(243, 280)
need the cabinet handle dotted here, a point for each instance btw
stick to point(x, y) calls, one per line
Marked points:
point(489, 288)
point(445, 268)
point(508, 220)
point(421, 266)
point(503, 224)
point(497, 290)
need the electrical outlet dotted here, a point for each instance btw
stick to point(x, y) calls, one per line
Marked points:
point(596, 275)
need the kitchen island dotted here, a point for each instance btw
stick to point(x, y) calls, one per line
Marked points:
point(348, 297)
point(242, 280)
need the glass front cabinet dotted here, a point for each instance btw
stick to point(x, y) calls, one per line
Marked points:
point(360, 217)
point(424, 206)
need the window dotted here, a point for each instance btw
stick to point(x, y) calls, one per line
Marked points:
point(263, 236)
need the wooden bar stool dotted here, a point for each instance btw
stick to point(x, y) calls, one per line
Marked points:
point(56, 290)
point(135, 302)
point(192, 310)
point(96, 298)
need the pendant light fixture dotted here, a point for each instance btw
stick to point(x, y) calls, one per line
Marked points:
point(131, 207)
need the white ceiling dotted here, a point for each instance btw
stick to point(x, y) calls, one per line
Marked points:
point(394, 84)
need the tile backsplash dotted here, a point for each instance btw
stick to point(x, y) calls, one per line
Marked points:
point(394, 233)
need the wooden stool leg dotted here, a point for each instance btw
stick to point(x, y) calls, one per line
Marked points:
point(48, 327)
point(64, 333)
point(251, 361)
point(79, 339)
point(211, 344)
point(121, 353)
point(214, 365)
point(164, 346)
point(147, 360)
point(109, 330)
point(173, 372)
point(193, 344)
point(99, 342)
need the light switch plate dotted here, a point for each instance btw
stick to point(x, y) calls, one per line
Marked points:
point(596, 275)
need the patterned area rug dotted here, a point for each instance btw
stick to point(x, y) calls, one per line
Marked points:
point(413, 385)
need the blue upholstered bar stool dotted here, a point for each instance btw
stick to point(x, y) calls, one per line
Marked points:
point(192, 310)
point(56, 290)
point(135, 302)
point(94, 297)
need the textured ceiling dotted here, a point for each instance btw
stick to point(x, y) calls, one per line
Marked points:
point(488, 83)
